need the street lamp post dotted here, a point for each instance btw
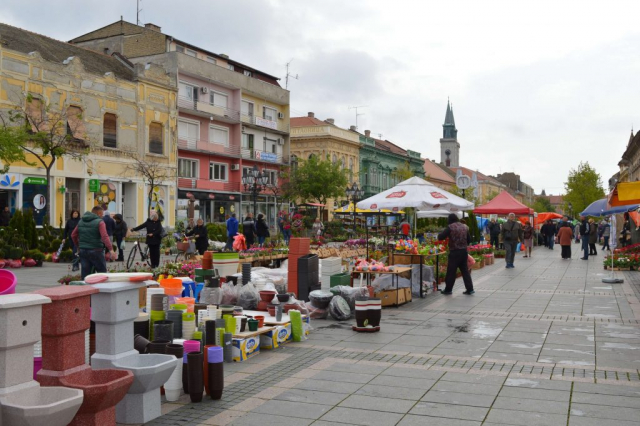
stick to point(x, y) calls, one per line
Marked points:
point(255, 182)
point(356, 195)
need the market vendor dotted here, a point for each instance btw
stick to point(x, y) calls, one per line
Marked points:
point(202, 237)
point(459, 239)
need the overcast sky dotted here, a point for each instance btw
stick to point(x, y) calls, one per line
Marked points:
point(536, 88)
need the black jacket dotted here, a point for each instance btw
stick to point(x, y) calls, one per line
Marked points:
point(154, 228)
point(70, 226)
point(248, 228)
point(5, 217)
point(494, 229)
point(120, 230)
point(584, 228)
point(110, 224)
point(262, 229)
point(202, 237)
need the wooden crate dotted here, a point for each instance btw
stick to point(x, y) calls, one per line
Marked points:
point(388, 297)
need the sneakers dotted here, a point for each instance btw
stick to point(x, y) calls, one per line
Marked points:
point(446, 292)
point(469, 292)
point(509, 265)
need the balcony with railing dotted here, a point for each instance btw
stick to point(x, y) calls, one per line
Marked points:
point(210, 185)
point(209, 147)
point(205, 109)
point(278, 125)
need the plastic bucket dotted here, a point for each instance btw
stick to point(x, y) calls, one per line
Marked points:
point(8, 282)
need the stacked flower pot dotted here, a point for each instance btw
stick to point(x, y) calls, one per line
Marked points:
point(298, 247)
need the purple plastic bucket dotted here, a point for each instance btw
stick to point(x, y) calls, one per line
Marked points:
point(8, 282)
point(37, 365)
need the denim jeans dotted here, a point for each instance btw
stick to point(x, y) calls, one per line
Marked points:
point(552, 241)
point(229, 245)
point(261, 240)
point(585, 246)
point(510, 247)
point(92, 258)
point(605, 244)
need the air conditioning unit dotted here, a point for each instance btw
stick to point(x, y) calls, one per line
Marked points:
point(204, 89)
point(244, 129)
point(280, 141)
point(280, 115)
point(235, 167)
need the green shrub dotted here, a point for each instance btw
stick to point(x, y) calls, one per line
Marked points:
point(17, 223)
point(15, 253)
point(30, 232)
point(66, 256)
point(34, 254)
point(55, 245)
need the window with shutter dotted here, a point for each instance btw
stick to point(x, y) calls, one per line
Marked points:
point(155, 138)
point(34, 115)
point(75, 125)
point(109, 131)
point(219, 135)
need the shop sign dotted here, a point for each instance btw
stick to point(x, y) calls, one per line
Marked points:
point(212, 196)
point(266, 156)
point(266, 123)
point(10, 180)
point(221, 210)
point(39, 201)
point(35, 181)
point(94, 185)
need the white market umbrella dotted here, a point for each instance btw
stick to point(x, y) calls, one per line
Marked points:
point(421, 214)
point(418, 194)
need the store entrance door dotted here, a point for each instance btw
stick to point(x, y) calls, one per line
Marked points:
point(72, 196)
point(129, 204)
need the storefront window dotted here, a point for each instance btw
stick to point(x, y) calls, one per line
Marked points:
point(106, 196)
point(34, 197)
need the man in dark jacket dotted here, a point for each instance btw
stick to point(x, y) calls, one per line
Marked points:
point(5, 216)
point(459, 239)
point(494, 233)
point(549, 231)
point(91, 238)
point(232, 230)
point(249, 230)
point(155, 231)
point(585, 230)
point(512, 234)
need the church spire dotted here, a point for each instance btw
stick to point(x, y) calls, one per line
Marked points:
point(449, 130)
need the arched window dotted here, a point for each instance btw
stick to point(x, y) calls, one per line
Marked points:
point(311, 156)
point(109, 130)
point(334, 159)
point(294, 162)
point(351, 169)
point(156, 145)
point(343, 164)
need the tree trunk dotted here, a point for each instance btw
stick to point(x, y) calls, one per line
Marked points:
point(49, 197)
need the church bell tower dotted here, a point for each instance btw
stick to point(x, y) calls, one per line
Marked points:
point(449, 145)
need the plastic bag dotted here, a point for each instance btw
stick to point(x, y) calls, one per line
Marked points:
point(339, 308)
point(349, 294)
point(302, 307)
point(248, 296)
point(211, 295)
point(316, 313)
point(229, 294)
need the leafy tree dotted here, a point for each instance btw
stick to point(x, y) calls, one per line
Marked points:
point(47, 132)
point(11, 139)
point(153, 173)
point(405, 172)
point(583, 187)
point(542, 204)
point(472, 223)
point(316, 180)
point(468, 194)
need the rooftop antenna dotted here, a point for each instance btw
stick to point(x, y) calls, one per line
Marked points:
point(286, 79)
point(138, 10)
point(379, 135)
point(357, 115)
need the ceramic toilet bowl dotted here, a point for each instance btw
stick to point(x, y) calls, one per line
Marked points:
point(150, 371)
point(37, 406)
point(102, 388)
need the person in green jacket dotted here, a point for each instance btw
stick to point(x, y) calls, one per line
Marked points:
point(91, 238)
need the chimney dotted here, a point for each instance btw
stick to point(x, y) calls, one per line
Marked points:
point(354, 128)
point(367, 133)
point(311, 115)
point(224, 55)
point(153, 27)
point(330, 120)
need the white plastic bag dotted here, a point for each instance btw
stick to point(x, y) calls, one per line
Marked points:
point(229, 294)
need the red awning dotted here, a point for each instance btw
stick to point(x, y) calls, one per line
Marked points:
point(503, 204)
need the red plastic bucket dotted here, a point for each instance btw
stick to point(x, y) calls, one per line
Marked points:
point(8, 282)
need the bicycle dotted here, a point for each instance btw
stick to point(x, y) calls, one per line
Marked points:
point(186, 250)
point(144, 254)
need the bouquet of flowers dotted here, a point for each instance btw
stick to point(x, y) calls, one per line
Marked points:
point(407, 246)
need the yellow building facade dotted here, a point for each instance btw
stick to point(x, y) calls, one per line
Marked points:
point(127, 114)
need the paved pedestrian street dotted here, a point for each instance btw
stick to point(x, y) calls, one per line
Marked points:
point(546, 343)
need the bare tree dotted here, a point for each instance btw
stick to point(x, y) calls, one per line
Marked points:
point(152, 172)
point(50, 133)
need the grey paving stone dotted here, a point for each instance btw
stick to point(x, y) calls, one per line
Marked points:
point(357, 368)
point(340, 376)
point(471, 388)
point(378, 404)
point(542, 394)
point(606, 389)
point(455, 398)
point(473, 378)
point(328, 386)
point(402, 381)
point(292, 409)
point(413, 420)
point(312, 397)
point(461, 412)
point(361, 417)
point(586, 421)
point(610, 400)
point(603, 412)
point(253, 419)
point(391, 392)
point(538, 384)
point(534, 405)
point(416, 373)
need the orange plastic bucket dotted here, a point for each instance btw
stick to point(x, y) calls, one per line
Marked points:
point(172, 286)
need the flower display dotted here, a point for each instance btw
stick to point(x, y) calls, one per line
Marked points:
point(364, 265)
point(407, 246)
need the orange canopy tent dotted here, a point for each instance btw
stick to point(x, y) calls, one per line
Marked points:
point(503, 204)
point(543, 217)
point(624, 194)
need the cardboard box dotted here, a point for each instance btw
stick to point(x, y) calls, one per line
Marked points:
point(276, 338)
point(388, 297)
point(243, 349)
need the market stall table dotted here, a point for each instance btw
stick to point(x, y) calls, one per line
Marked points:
point(395, 273)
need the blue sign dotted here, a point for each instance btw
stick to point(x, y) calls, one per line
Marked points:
point(268, 156)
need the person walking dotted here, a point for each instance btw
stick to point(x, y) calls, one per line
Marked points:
point(593, 237)
point(119, 234)
point(565, 236)
point(249, 230)
point(232, 230)
point(262, 229)
point(109, 223)
point(286, 227)
point(202, 236)
point(405, 228)
point(91, 238)
point(155, 231)
point(280, 223)
point(459, 239)
point(494, 233)
point(549, 231)
point(606, 235)
point(576, 232)
point(511, 235)
point(71, 224)
point(527, 232)
point(5, 216)
point(318, 228)
point(584, 230)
